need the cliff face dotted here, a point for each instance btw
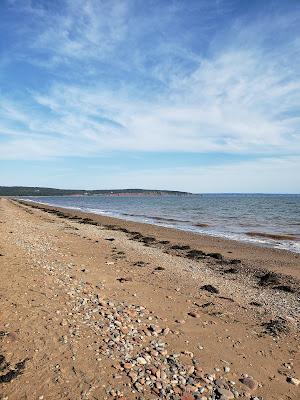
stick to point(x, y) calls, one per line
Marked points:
point(40, 191)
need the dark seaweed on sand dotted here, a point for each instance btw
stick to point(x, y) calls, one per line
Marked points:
point(284, 288)
point(231, 271)
point(276, 327)
point(195, 254)
point(210, 288)
point(270, 278)
point(12, 373)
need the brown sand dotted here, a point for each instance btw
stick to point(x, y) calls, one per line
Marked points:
point(52, 267)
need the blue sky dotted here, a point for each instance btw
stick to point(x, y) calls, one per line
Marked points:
point(190, 95)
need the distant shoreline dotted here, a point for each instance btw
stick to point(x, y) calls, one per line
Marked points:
point(42, 191)
point(32, 191)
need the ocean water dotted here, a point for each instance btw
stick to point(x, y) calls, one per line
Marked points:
point(243, 217)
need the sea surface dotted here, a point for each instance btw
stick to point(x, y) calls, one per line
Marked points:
point(242, 217)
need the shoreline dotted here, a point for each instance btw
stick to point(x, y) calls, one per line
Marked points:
point(279, 241)
point(100, 308)
point(253, 257)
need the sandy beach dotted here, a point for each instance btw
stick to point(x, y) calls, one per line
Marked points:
point(94, 307)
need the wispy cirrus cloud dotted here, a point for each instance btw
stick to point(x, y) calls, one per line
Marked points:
point(87, 29)
point(238, 101)
point(204, 77)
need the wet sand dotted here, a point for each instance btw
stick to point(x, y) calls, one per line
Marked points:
point(98, 308)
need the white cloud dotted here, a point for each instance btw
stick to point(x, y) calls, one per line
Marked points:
point(229, 104)
point(81, 30)
point(238, 99)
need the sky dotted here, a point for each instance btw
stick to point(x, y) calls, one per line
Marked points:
point(193, 95)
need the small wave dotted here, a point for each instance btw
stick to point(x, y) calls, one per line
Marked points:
point(168, 219)
point(250, 224)
point(95, 210)
point(274, 236)
point(156, 218)
point(136, 215)
point(202, 225)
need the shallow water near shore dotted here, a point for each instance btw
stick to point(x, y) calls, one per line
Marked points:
point(268, 220)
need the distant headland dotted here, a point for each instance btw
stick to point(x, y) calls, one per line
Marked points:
point(42, 191)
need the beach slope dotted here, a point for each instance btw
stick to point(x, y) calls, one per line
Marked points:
point(98, 308)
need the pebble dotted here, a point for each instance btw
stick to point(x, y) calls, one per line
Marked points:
point(191, 370)
point(163, 376)
point(293, 381)
point(194, 314)
point(187, 396)
point(141, 360)
point(65, 339)
point(133, 375)
point(225, 394)
point(250, 382)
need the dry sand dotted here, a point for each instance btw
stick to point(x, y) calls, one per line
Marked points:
point(91, 308)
